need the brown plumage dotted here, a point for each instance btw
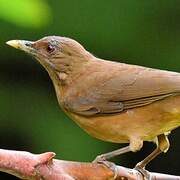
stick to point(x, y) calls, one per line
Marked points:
point(112, 101)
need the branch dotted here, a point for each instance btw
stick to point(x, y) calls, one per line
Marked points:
point(29, 166)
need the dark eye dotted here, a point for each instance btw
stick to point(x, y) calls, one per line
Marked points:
point(50, 48)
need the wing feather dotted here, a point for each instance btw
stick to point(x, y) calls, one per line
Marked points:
point(115, 87)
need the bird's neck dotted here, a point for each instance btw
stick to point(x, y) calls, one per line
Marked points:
point(57, 82)
point(63, 77)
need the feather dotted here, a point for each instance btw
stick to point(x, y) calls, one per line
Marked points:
point(126, 87)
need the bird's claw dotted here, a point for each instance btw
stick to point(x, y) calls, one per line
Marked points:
point(143, 171)
point(99, 159)
point(102, 160)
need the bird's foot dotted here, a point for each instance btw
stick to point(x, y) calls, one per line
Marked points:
point(143, 171)
point(112, 166)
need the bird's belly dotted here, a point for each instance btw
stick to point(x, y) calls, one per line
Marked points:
point(144, 122)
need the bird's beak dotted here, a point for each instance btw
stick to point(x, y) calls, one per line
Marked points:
point(23, 45)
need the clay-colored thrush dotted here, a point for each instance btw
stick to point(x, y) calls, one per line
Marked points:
point(111, 101)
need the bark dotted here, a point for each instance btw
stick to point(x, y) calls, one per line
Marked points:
point(43, 166)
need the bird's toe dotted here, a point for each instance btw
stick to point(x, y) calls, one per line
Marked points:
point(99, 159)
point(143, 171)
point(112, 166)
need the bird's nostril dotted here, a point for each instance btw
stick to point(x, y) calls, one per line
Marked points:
point(28, 44)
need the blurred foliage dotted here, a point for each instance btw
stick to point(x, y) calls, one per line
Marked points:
point(26, 13)
point(139, 32)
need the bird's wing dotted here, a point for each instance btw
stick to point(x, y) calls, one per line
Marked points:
point(117, 87)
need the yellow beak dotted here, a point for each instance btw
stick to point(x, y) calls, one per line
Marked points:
point(22, 45)
point(13, 43)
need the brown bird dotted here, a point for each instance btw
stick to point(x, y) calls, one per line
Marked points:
point(111, 101)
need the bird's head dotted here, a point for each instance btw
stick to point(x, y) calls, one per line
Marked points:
point(57, 54)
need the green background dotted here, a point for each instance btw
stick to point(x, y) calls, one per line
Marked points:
point(131, 31)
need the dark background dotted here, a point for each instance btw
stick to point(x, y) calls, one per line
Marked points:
point(131, 31)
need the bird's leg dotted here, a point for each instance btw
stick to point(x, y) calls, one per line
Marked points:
point(104, 157)
point(109, 155)
point(162, 146)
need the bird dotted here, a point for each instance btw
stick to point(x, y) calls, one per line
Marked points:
point(111, 101)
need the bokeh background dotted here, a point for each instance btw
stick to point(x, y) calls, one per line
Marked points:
point(132, 31)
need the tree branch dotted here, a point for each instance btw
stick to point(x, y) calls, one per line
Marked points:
point(30, 166)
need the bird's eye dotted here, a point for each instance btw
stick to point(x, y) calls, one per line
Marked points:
point(50, 48)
